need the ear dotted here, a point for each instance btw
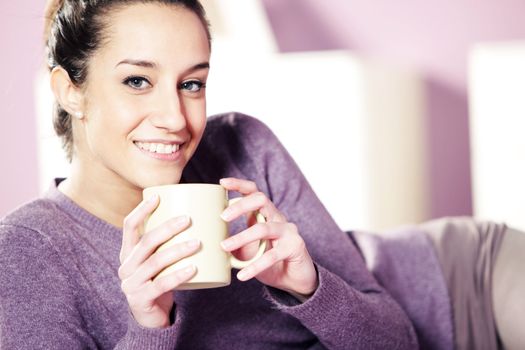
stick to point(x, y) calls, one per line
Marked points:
point(68, 95)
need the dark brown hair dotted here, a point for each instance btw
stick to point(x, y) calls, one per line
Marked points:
point(74, 30)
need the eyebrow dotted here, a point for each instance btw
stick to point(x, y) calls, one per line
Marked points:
point(149, 64)
point(140, 63)
point(203, 65)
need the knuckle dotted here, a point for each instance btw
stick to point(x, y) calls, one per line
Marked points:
point(155, 262)
point(298, 242)
point(252, 185)
point(291, 227)
point(133, 301)
point(261, 198)
point(148, 241)
point(121, 256)
point(272, 256)
point(261, 229)
point(124, 286)
point(301, 244)
point(122, 273)
point(128, 223)
point(163, 285)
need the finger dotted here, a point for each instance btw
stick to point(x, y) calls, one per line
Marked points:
point(267, 260)
point(253, 202)
point(248, 204)
point(130, 229)
point(154, 289)
point(159, 261)
point(173, 280)
point(269, 230)
point(150, 242)
point(239, 185)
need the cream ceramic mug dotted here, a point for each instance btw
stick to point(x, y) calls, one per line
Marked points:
point(203, 203)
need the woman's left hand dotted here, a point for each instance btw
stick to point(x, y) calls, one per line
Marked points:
point(286, 264)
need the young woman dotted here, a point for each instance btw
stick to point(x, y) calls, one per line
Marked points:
point(129, 78)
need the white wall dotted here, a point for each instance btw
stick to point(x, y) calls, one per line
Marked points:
point(497, 122)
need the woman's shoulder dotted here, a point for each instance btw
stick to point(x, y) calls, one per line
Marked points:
point(233, 144)
point(233, 120)
point(235, 125)
point(238, 137)
point(29, 222)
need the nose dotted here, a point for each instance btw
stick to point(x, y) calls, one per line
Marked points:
point(170, 113)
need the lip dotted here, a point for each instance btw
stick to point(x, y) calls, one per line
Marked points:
point(171, 157)
point(166, 142)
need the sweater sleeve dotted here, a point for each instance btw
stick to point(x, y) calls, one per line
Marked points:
point(37, 305)
point(138, 337)
point(349, 309)
point(38, 302)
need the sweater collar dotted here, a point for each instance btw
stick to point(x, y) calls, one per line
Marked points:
point(77, 213)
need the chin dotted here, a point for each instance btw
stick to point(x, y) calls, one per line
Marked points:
point(157, 180)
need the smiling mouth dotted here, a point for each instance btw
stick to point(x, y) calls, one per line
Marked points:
point(159, 148)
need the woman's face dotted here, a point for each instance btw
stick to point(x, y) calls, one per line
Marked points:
point(145, 107)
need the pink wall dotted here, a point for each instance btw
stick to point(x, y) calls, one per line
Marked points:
point(432, 36)
point(20, 27)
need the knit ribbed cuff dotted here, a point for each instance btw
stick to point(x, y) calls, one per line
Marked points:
point(324, 300)
point(139, 337)
point(284, 300)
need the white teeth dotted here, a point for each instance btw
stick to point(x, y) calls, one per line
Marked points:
point(160, 148)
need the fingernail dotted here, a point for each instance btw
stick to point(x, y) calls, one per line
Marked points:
point(153, 198)
point(193, 243)
point(241, 275)
point(226, 214)
point(226, 245)
point(181, 220)
point(188, 270)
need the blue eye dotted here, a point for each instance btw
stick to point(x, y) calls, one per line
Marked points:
point(137, 83)
point(192, 85)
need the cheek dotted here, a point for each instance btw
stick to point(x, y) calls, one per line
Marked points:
point(197, 119)
point(116, 115)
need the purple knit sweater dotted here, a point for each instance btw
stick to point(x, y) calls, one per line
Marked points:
point(59, 287)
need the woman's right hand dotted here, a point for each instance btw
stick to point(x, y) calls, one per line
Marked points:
point(151, 300)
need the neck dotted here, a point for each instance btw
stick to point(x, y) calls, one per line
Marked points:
point(102, 193)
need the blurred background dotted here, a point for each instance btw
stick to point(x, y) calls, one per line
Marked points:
point(397, 112)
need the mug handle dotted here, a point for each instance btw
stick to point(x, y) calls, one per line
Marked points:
point(240, 264)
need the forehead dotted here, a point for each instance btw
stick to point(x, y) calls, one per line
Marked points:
point(153, 29)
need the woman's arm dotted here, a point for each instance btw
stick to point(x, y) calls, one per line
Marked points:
point(348, 309)
point(38, 301)
point(37, 304)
